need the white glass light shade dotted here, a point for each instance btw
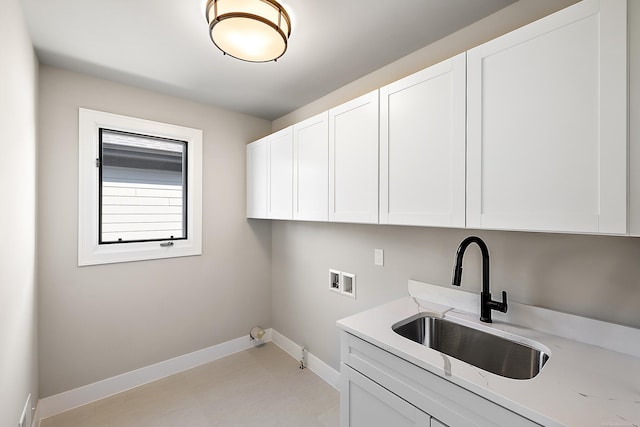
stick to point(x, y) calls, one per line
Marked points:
point(251, 30)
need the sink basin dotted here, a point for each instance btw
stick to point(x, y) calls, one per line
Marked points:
point(490, 352)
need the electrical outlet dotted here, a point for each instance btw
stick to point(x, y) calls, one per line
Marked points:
point(378, 255)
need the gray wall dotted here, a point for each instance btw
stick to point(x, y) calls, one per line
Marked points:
point(99, 321)
point(592, 276)
point(18, 332)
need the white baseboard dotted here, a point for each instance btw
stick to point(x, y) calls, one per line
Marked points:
point(65, 401)
point(317, 366)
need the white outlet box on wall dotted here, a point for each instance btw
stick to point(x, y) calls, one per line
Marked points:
point(342, 283)
point(349, 285)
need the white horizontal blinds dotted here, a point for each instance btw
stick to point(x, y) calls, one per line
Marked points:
point(143, 188)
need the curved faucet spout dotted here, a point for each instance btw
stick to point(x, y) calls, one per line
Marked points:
point(457, 272)
point(486, 303)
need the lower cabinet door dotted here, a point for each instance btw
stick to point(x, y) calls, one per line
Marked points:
point(364, 403)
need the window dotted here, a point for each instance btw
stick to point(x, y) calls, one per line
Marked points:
point(140, 189)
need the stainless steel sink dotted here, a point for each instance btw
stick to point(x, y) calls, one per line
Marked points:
point(493, 353)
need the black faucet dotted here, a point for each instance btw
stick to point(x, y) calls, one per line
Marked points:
point(486, 303)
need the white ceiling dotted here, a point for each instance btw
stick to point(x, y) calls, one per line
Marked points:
point(163, 45)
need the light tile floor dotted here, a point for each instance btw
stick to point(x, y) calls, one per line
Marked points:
point(262, 386)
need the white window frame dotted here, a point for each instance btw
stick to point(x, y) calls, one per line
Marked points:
point(92, 253)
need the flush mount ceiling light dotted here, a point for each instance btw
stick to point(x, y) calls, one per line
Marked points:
point(250, 30)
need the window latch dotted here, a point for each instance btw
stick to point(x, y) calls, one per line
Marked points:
point(98, 162)
point(166, 244)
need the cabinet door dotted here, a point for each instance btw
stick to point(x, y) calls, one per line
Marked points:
point(365, 403)
point(422, 147)
point(547, 124)
point(353, 160)
point(257, 179)
point(280, 167)
point(311, 160)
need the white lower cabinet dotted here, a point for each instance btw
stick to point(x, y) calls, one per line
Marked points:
point(369, 404)
point(381, 389)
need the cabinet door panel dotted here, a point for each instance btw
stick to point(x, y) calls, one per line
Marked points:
point(280, 204)
point(257, 179)
point(353, 160)
point(365, 404)
point(544, 151)
point(311, 160)
point(422, 147)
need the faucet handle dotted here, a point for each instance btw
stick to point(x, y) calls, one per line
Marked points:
point(502, 306)
point(487, 304)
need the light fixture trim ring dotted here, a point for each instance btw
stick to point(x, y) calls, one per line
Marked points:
point(282, 14)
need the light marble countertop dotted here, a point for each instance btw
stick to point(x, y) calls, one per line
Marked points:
point(580, 385)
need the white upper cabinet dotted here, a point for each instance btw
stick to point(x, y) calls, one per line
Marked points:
point(280, 175)
point(353, 160)
point(547, 124)
point(257, 179)
point(422, 147)
point(311, 169)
